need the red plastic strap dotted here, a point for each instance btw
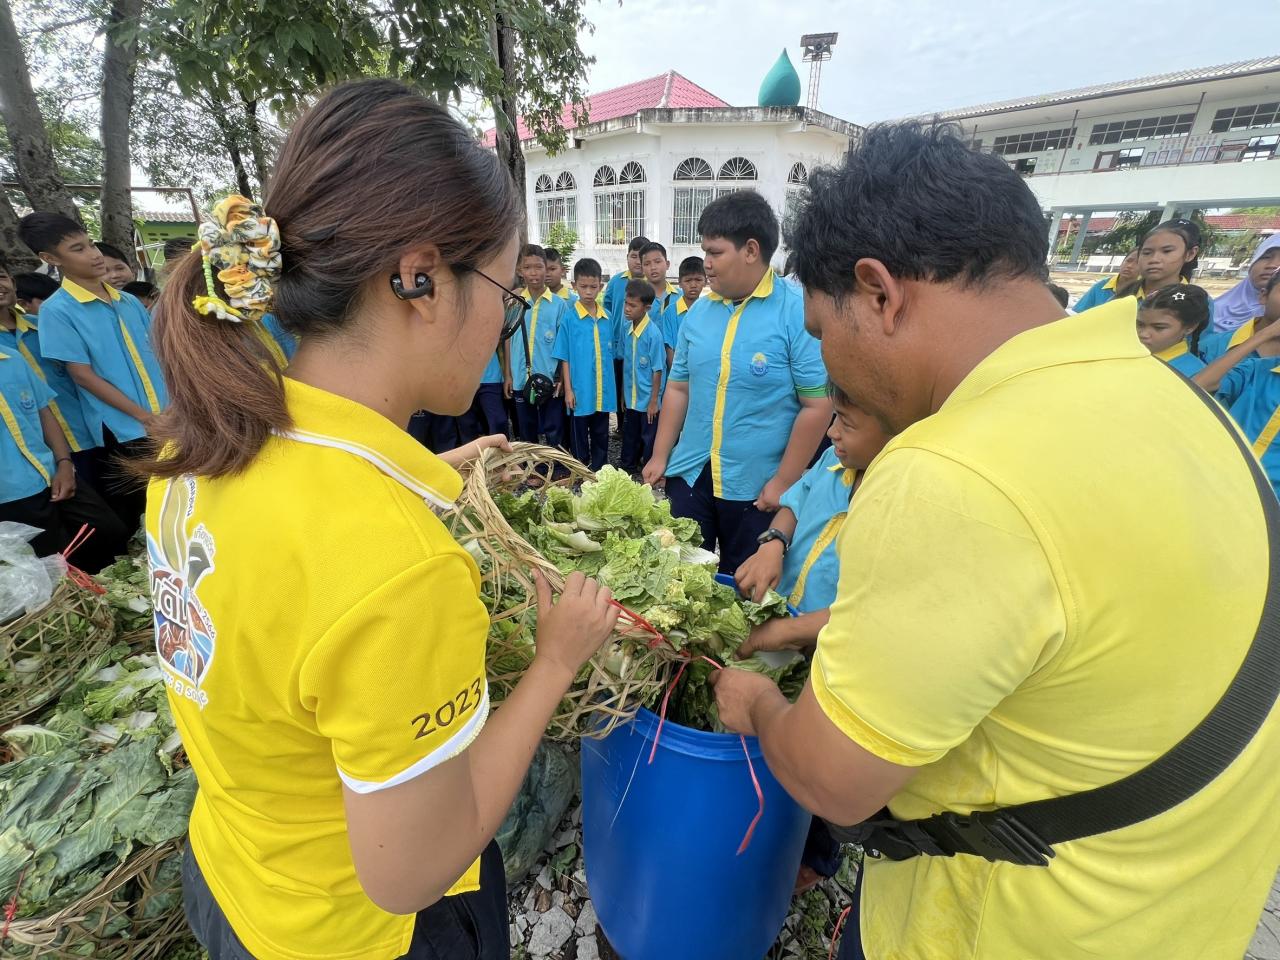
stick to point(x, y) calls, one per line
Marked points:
point(11, 908)
point(835, 934)
point(74, 573)
point(641, 622)
point(751, 767)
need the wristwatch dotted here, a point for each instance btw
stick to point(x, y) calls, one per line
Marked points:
point(773, 533)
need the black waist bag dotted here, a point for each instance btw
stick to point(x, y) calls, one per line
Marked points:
point(1026, 833)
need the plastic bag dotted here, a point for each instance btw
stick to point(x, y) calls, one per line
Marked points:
point(26, 581)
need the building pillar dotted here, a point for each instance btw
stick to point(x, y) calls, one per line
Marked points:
point(1055, 225)
point(1170, 211)
point(1078, 246)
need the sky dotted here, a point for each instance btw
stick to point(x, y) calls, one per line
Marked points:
point(900, 58)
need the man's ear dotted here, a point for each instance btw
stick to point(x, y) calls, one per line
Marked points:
point(882, 294)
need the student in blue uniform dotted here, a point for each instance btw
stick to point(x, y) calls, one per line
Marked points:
point(1170, 324)
point(19, 334)
point(488, 414)
point(584, 347)
point(544, 424)
point(555, 274)
point(746, 402)
point(614, 291)
point(33, 290)
point(1106, 290)
point(693, 277)
point(643, 366)
point(38, 484)
point(1246, 380)
point(146, 292)
point(655, 266)
point(104, 338)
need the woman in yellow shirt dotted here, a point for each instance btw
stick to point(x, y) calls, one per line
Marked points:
point(321, 633)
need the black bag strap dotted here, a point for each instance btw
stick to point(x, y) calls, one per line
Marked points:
point(1026, 833)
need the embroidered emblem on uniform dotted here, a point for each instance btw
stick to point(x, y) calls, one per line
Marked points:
point(26, 401)
point(642, 361)
point(759, 365)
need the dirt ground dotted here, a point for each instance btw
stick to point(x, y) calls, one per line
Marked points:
point(1078, 283)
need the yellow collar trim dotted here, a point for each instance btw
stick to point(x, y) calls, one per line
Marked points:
point(325, 419)
point(84, 296)
point(763, 289)
point(546, 295)
point(639, 328)
point(681, 306)
point(584, 313)
point(849, 475)
point(1141, 292)
point(1111, 284)
point(5, 356)
point(24, 322)
point(1173, 353)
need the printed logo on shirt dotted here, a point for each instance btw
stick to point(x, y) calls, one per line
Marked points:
point(759, 365)
point(26, 401)
point(549, 336)
point(184, 633)
point(642, 361)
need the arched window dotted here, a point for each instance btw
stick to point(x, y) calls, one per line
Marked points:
point(694, 168)
point(619, 201)
point(688, 200)
point(799, 174)
point(559, 205)
point(797, 180)
point(738, 168)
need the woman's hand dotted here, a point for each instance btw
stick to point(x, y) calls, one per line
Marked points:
point(469, 451)
point(577, 625)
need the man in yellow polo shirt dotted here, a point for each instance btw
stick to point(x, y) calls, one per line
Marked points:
point(1036, 598)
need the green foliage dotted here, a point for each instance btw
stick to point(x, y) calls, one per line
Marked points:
point(564, 239)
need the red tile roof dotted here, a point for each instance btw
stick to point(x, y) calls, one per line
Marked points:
point(1219, 221)
point(670, 89)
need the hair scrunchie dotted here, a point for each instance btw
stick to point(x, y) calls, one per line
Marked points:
point(242, 244)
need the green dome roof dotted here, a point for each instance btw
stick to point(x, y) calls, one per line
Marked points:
point(781, 85)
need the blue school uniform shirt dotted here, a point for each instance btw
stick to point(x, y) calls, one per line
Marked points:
point(820, 501)
point(586, 342)
point(492, 371)
point(1180, 357)
point(747, 366)
point(1214, 345)
point(115, 340)
point(615, 293)
point(25, 340)
point(642, 353)
point(283, 339)
point(673, 320)
point(542, 323)
point(1104, 291)
point(26, 462)
point(1251, 394)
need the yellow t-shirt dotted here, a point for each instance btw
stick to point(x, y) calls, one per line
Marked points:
point(1043, 587)
point(318, 626)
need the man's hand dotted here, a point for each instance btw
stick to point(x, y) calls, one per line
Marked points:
point(737, 694)
point(652, 411)
point(761, 571)
point(64, 482)
point(776, 634)
point(770, 497)
point(506, 387)
point(654, 471)
point(570, 400)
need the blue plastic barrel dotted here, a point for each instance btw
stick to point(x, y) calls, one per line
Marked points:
point(660, 844)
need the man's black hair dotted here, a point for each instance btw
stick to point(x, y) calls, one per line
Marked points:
point(42, 232)
point(637, 243)
point(692, 266)
point(1189, 303)
point(653, 246)
point(533, 250)
point(586, 267)
point(741, 216)
point(642, 290)
point(176, 247)
point(1061, 294)
point(553, 255)
point(916, 198)
point(107, 250)
point(141, 288)
point(35, 286)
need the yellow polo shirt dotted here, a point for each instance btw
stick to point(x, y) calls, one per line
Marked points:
point(318, 626)
point(1036, 598)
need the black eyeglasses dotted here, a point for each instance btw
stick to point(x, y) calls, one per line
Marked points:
point(514, 307)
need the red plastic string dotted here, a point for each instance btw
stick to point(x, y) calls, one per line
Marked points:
point(835, 934)
point(11, 908)
point(74, 573)
point(751, 767)
point(641, 622)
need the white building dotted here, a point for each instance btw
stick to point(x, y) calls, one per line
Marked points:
point(1180, 141)
point(656, 152)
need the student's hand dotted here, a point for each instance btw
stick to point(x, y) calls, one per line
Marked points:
point(736, 694)
point(506, 387)
point(761, 571)
point(560, 387)
point(469, 451)
point(577, 625)
point(775, 634)
point(770, 497)
point(570, 401)
point(63, 486)
point(654, 471)
point(652, 412)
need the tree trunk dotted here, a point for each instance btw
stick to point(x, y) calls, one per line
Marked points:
point(119, 64)
point(33, 158)
point(243, 187)
point(254, 130)
point(506, 131)
point(17, 257)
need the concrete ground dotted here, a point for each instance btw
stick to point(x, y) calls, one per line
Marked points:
point(1266, 942)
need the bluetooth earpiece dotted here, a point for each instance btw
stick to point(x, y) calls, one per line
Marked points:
point(422, 287)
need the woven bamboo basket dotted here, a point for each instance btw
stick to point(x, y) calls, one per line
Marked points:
point(599, 699)
point(73, 630)
point(135, 913)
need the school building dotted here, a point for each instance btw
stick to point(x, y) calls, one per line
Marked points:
point(1195, 139)
point(656, 152)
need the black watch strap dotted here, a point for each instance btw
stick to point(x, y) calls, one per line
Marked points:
point(773, 533)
